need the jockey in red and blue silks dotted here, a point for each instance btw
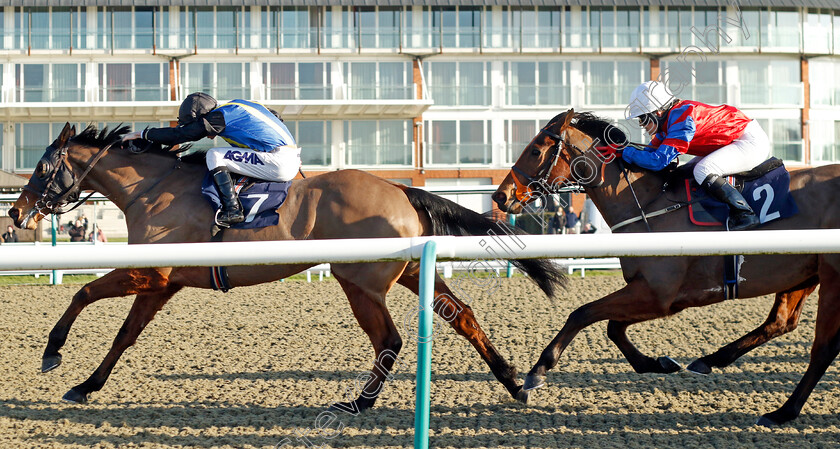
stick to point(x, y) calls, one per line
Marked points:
point(266, 149)
point(724, 139)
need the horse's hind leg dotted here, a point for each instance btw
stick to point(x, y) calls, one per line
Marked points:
point(145, 306)
point(367, 300)
point(784, 317)
point(461, 318)
point(120, 282)
point(826, 342)
point(641, 363)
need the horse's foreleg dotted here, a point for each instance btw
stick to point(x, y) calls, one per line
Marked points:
point(120, 282)
point(145, 306)
point(641, 363)
point(372, 315)
point(633, 303)
point(826, 343)
point(783, 318)
point(460, 316)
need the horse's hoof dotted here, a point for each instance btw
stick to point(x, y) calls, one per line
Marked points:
point(75, 397)
point(49, 363)
point(766, 422)
point(699, 367)
point(533, 381)
point(669, 365)
point(522, 395)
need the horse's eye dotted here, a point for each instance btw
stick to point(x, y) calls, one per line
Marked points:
point(43, 169)
point(536, 152)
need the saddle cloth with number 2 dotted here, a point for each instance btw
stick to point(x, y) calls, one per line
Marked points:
point(768, 194)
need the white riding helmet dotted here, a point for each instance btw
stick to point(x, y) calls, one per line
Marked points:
point(649, 97)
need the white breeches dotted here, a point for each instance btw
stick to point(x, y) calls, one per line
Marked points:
point(280, 164)
point(744, 153)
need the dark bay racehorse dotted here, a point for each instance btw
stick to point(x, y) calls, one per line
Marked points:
point(162, 204)
point(565, 151)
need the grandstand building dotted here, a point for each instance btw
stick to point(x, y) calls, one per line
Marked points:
point(426, 93)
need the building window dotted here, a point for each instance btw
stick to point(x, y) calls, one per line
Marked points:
point(538, 83)
point(49, 82)
point(785, 138)
point(223, 80)
point(459, 83)
point(518, 134)
point(379, 81)
point(529, 28)
point(766, 82)
point(290, 27)
point(703, 81)
point(699, 19)
point(454, 26)
point(457, 142)
point(612, 82)
point(218, 27)
point(825, 141)
point(779, 28)
point(131, 27)
point(824, 87)
point(32, 140)
point(620, 27)
point(134, 82)
point(817, 38)
point(378, 26)
point(298, 80)
point(378, 142)
point(314, 139)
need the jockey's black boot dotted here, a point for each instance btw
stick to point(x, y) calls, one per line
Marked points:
point(231, 212)
point(741, 215)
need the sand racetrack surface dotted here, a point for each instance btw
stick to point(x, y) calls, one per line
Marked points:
point(259, 364)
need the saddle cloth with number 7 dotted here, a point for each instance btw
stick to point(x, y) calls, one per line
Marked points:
point(766, 189)
point(260, 200)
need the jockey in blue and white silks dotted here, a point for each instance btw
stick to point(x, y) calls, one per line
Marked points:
point(263, 146)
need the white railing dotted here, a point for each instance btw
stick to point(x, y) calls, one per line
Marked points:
point(449, 248)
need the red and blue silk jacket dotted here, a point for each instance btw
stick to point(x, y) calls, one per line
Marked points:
point(691, 128)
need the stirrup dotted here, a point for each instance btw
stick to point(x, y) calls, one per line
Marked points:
point(221, 224)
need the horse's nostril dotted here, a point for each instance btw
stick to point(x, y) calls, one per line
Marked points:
point(14, 213)
point(499, 197)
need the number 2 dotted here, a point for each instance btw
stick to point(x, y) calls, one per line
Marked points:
point(763, 217)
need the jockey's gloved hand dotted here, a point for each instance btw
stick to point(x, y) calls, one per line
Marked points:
point(132, 135)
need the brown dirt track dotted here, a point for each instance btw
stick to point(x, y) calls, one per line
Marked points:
point(248, 368)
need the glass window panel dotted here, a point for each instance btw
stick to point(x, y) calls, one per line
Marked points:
point(32, 141)
point(143, 27)
point(523, 83)
point(40, 28)
point(754, 80)
point(226, 27)
point(35, 82)
point(601, 89)
point(473, 89)
point(443, 144)
point(392, 81)
point(389, 27)
point(393, 148)
point(787, 139)
point(65, 83)
point(361, 142)
point(231, 84)
point(442, 83)
point(472, 149)
point(122, 27)
point(363, 80)
point(521, 134)
point(60, 28)
point(313, 139)
point(148, 82)
point(365, 18)
point(205, 32)
point(118, 82)
point(282, 81)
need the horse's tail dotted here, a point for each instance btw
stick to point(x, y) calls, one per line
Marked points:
point(450, 218)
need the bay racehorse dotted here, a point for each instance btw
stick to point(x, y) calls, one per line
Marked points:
point(160, 197)
point(579, 149)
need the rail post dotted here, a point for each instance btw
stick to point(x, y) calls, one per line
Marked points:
point(424, 346)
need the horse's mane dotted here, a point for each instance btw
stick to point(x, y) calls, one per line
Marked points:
point(599, 127)
point(106, 136)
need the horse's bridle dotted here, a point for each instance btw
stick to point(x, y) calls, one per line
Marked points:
point(54, 176)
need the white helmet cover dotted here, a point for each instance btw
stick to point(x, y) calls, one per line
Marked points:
point(649, 97)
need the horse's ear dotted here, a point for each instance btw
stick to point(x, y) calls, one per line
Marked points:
point(66, 134)
point(570, 114)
